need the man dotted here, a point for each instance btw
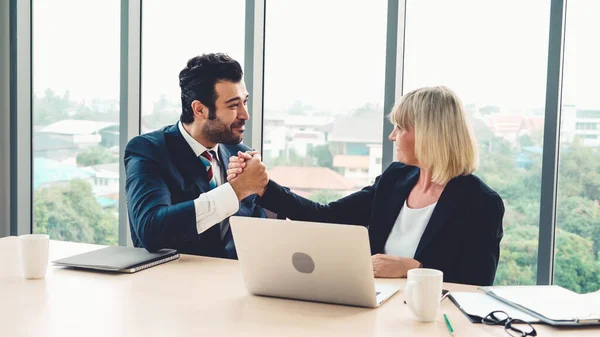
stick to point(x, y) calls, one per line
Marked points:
point(177, 194)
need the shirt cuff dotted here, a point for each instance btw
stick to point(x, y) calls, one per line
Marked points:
point(225, 198)
point(215, 206)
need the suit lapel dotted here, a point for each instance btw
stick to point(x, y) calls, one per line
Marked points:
point(443, 210)
point(392, 208)
point(190, 166)
point(224, 156)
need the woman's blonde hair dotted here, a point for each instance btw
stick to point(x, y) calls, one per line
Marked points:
point(444, 142)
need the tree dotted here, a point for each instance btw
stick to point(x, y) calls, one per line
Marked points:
point(323, 156)
point(577, 266)
point(368, 110)
point(95, 156)
point(291, 158)
point(297, 108)
point(50, 108)
point(70, 212)
point(518, 256)
point(581, 216)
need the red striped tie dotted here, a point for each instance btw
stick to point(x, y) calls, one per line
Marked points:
point(206, 159)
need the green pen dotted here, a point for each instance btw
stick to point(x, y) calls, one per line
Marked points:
point(448, 325)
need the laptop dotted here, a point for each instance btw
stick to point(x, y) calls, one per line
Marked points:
point(118, 259)
point(308, 261)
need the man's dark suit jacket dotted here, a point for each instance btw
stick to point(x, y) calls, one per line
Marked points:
point(164, 176)
point(462, 238)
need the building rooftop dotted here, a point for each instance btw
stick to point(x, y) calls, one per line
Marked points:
point(46, 171)
point(76, 127)
point(366, 130)
point(310, 178)
point(349, 161)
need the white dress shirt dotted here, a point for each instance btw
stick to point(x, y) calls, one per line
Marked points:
point(408, 230)
point(217, 205)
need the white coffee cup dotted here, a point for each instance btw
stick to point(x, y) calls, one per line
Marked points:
point(33, 252)
point(423, 292)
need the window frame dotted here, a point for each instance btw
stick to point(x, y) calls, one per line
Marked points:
point(16, 85)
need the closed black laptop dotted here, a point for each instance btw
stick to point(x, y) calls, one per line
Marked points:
point(119, 259)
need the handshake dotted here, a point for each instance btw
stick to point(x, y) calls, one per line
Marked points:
point(247, 174)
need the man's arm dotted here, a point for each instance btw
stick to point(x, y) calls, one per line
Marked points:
point(159, 223)
point(156, 221)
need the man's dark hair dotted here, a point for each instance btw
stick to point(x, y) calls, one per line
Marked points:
point(197, 82)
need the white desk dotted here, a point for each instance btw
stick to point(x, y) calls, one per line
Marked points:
point(196, 296)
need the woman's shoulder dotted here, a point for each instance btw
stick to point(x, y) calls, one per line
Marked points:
point(477, 187)
point(397, 169)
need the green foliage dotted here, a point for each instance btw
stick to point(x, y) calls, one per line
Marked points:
point(323, 156)
point(95, 156)
point(518, 256)
point(52, 108)
point(368, 110)
point(577, 265)
point(578, 213)
point(325, 196)
point(290, 159)
point(71, 213)
point(164, 113)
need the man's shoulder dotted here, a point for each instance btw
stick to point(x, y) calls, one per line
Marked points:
point(148, 144)
point(153, 138)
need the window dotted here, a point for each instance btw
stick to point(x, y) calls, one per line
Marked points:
point(324, 72)
point(586, 126)
point(577, 247)
point(587, 113)
point(172, 33)
point(75, 78)
point(468, 46)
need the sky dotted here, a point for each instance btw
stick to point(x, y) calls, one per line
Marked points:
point(326, 53)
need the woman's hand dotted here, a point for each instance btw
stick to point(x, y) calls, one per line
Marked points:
point(389, 266)
point(238, 163)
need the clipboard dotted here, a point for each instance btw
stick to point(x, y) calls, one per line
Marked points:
point(553, 305)
point(475, 306)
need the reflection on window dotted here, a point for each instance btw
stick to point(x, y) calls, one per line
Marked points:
point(76, 119)
point(324, 97)
point(172, 33)
point(577, 249)
point(467, 46)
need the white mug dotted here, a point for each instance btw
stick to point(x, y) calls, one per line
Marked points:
point(33, 252)
point(423, 292)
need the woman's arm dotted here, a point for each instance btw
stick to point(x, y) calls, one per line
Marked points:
point(354, 209)
point(481, 251)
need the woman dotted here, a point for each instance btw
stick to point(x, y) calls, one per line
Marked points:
point(428, 210)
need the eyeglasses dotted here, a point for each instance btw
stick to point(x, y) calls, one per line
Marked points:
point(499, 317)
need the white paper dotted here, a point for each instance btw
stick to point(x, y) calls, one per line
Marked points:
point(553, 302)
point(480, 304)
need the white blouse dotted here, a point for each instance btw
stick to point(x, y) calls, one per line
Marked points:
point(407, 231)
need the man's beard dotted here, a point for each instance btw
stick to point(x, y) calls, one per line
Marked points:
point(217, 132)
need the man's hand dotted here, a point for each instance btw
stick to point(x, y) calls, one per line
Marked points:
point(392, 266)
point(253, 181)
point(238, 163)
